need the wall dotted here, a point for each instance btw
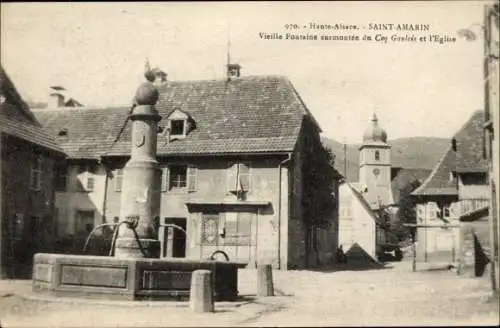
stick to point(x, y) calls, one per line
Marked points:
point(364, 228)
point(346, 216)
point(211, 186)
point(467, 230)
point(435, 244)
point(297, 231)
point(74, 198)
point(356, 225)
point(30, 235)
point(313, 235)
point(475, 189)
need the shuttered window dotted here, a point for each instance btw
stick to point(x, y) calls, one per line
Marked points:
point(36, 172)
point(179, 178)
point(192, 172)
point(164, 179)
point(238, 177)
point(61, 176)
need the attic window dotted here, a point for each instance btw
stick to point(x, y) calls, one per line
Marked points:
point(63, 133)
point(177, 127)
point(179, 124)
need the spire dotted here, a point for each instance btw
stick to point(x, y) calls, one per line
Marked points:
point(148, 73)
point(374, 132)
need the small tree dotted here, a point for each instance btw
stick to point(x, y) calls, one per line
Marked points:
point(320, 179)
point(406, 212)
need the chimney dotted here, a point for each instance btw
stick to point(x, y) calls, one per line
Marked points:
point(160, 77)
point(56, 97)
point(233, 71)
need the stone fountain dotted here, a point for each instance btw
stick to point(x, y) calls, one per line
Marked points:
point(135, 271)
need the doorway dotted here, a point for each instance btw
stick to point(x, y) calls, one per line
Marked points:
point(173, 240)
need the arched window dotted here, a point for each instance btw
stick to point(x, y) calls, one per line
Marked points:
point(377, 155)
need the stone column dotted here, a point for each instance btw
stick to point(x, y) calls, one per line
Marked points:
point(140, 198)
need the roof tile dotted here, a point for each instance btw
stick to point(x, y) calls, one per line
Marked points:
point(249, 114)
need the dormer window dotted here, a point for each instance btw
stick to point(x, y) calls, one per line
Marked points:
point(179, 124)
point(177, 128)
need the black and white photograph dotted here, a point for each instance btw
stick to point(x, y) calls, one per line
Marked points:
point(235, 164)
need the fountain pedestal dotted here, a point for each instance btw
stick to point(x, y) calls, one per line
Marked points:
point(140, 199)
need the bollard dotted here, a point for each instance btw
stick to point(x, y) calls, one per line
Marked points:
point(201, 294)
point(265, 280)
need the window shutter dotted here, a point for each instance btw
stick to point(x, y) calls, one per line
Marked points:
point(244, 175)
point(232, 173)
point(118, 179)
point(164, 178)
point(192, 178)
point(90, 181)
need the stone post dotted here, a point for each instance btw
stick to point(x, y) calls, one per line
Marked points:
point(201, 293)
point(140, 199)
point(265, 280)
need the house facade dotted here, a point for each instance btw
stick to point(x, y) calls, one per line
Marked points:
point(28, 157)
point(235, 158)
point(457, 186)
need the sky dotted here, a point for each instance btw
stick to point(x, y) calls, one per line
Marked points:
point(97, 52)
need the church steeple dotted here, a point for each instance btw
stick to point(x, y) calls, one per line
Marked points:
point(375, 165)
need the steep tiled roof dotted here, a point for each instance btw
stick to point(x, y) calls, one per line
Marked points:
point(18, 121)
point(439, 181)
point(468, 157)
point(90, 132)
point(469, 140)
point(248, 114)
point(403, 177)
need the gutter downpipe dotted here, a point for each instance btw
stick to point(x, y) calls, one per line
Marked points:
point(105, 196)
point(286, 160)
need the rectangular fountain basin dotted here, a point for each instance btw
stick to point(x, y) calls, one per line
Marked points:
point(107, 277)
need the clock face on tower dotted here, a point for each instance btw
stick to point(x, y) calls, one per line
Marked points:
point(376, 171)
point(140, 139)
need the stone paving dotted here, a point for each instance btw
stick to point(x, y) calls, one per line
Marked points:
point(394, 296)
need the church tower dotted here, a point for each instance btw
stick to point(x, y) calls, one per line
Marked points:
point(375, 166)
